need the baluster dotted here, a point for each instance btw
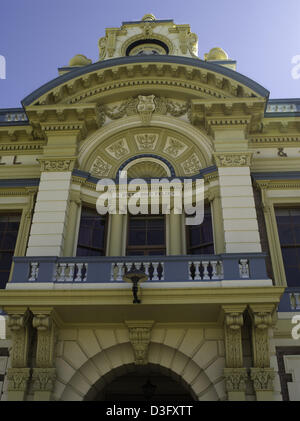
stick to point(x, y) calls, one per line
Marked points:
point(191, 270)
point(113, 272)
point(293, 301)
point(214, 274)
point(78, 274)
point(244, 268)
point(146, 266)
point(155, 274)
point(120, 271)
point(205, 270)
point(85, 269)
point(61, 272)
point(71, 269)
point(197, 271)
point(34, 270)
point(297, 296)
point(128, 266)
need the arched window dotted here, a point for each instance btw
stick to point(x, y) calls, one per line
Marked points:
point(92, 233)
point(200, 237)
point(146, 235)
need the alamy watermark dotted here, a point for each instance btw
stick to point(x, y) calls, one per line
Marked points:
point(160, 196)
point(296, 329)
point(2, 67)
point(296, 69)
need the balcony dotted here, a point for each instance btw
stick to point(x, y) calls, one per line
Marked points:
point(223, 270)
point(290, 300)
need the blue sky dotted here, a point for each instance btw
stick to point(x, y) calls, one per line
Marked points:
point(38, 36)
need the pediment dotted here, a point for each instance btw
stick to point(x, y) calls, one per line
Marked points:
point(116, 78)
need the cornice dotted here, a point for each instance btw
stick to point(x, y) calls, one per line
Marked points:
point(222, 80)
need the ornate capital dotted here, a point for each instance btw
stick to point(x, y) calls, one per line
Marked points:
point(139, 336)
point(57, 164)
point(235, 379)
point(17, 321)
point(233, 159)
point(262, 378)
point(234, 320)
point(41, 322)
point(19, 326)
point(261, 320)
point(43, 379)
point(18, 379)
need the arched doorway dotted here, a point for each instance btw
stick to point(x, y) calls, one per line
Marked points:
point(141, 383)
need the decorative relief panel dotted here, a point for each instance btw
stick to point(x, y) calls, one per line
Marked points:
point(139, 336)
point(174, 147)
point(100, 167)
point(233, 159)
point(118, 149)
point(146, 141)
point(192, 165)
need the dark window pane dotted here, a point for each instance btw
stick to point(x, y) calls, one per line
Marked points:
point(200, 237)
point(9, 226)
point(288, 223)
point(137, 237)
point(92, 232)
point(156, 237)
point(147, 232)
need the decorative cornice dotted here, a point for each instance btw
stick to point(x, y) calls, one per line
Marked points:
point(233, 159)
point(274, 139)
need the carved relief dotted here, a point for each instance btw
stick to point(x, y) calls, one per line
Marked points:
point(145, 107)
point(262, 378)
point(139, 336)
point(174, 147)
point(146, 141)
point(100, 167)
point(233, 338)
point(233, 160)
point(235, 379)
point(45, 340)
point(18, 324)
point(17, 379)
point(43, 379)
point(118, 149)
point(57, 164)
point(192, 165)
point(261, 322)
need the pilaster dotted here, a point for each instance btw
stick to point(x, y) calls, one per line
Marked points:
point(241, 232)
point(19, 373)
point(72, 224)
point(44, 373)
point(235, 374)
point(261, 374)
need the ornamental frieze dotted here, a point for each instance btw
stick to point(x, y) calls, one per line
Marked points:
point(53, 165)
point(232, 159)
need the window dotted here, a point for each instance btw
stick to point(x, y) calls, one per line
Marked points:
point(200, 237)
point(288, 223)
point(9, 226)
point(146, 235)
point(92, 233)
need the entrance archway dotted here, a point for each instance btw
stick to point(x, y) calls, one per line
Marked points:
point(141, 383)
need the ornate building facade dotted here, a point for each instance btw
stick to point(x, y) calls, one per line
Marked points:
point(214, 321)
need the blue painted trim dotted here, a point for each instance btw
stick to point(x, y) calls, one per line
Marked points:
point(148, 155)
point(258, 89)
point(284, 175)
point(20, 182)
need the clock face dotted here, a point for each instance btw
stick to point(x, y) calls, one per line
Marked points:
point(147, 50)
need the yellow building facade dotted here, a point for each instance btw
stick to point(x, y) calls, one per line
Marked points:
point(214, 320)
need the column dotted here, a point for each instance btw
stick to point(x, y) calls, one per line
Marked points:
point(175, 230)
point(50, 214)
point(19, 373)
point(241, 232)
point(44, 373)
point(235, 374)
point(116, 234)
point(72, 224)
point(261, 374)
point(218, 228)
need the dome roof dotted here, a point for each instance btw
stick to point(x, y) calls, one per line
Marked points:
point(216, 53)
point(79, 60)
